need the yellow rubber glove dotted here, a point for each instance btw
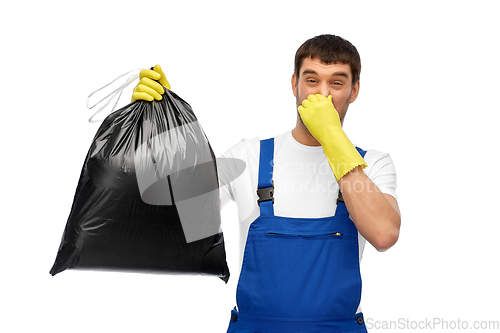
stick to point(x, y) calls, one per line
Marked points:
point(323, 122)
point(148, 87)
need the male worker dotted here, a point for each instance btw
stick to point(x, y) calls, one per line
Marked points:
point(307, 201)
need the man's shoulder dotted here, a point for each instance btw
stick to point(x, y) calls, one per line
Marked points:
point(373, 154)
point(378, 161)
point(245, 147)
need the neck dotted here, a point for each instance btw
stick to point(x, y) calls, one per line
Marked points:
point(301, 134)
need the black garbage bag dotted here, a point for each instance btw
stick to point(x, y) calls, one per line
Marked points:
point(148, 196)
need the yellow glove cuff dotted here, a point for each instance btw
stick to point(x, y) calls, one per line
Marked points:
point(342, 155)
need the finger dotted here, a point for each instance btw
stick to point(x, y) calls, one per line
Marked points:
point(320, 97)
point(301, 110)
point(141, 96)
point(149, 74)
point(152, 84)
point(147, 90)
point(163, 78)
point(306, 103)
point(158, 69)
point(331, 101)
point(312, 98)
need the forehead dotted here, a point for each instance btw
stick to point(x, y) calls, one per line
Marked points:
point(321, 68)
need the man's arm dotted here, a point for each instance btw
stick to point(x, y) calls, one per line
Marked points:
point(375, 214)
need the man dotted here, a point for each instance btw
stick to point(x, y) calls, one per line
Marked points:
point(307, 202)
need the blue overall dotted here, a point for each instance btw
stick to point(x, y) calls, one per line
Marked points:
point(298, 274)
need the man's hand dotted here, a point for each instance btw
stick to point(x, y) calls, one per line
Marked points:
point(320, 117)
point(148, 87)
point(323, 122)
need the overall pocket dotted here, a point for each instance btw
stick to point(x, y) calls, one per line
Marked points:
point(306, 274)
point(335, 234)
point(300, 268)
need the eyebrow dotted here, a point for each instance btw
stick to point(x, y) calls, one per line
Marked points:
point(310, 71)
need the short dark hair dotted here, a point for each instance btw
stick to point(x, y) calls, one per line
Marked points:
point(329, 49)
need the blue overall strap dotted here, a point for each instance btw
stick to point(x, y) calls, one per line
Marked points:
point(265, 186)
point(361, 152)
point(341, 207)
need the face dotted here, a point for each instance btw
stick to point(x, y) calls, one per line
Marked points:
point(316, 77)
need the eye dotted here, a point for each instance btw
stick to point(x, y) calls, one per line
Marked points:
point(311, 80)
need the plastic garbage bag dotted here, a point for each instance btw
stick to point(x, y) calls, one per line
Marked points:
point(148, 197)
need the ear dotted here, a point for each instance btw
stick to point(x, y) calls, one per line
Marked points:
point(294, 85)
point(354, 92)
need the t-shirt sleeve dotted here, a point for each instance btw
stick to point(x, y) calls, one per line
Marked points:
point(382, 172)
point(228, 168)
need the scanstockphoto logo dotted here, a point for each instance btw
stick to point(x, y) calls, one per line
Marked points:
point(177, 168)
point(432, 324)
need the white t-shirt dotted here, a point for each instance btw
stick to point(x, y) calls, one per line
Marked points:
point(304, 184)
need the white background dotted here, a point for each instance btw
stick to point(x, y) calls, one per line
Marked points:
point(429, 97)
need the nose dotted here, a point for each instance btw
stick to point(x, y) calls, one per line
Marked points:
point(324, 89)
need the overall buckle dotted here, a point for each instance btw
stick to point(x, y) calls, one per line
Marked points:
point(340, 198)
point(266, 194)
